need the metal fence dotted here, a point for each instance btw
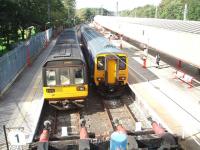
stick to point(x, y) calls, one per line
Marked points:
point(13, 62)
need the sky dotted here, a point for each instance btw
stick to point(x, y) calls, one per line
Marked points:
point(111, 4)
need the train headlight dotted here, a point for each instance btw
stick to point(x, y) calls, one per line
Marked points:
point(99, 79)
point(80, 88)
point(122, 78)
point(50, 90)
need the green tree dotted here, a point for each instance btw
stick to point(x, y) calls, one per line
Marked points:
point(70, 11)
point(8, 22)
point(147, 11)
point(17, 16)
point(87, 14)
point(168, 9)
point(125, 13)
point(171, 9)
point(193, 10)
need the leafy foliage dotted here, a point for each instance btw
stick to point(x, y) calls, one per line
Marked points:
point(148, 11)
point(171, 9)
point(194, 10)
point(19, 16)
point(87, 14)
point(168, 9)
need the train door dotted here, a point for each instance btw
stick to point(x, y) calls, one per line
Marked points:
point(111, 69)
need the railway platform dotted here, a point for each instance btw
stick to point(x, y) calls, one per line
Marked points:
point(166, 99)
point(21, 105)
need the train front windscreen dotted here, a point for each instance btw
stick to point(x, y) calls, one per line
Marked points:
point(64, 76)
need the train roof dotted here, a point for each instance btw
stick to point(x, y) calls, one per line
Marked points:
point(97, 43)
point(66, 47)
point(68, 36)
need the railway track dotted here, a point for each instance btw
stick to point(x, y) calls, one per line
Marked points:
point(99, 114)
point(96, 116)
point(68, 121)
point(63, 123)
point(118, 109)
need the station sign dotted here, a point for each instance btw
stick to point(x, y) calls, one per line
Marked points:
point(16, 137)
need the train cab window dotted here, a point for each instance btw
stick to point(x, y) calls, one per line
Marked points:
point(122, 63)
point(64, 77)
point(51, 77)
point(78, 73)
point(100, 63)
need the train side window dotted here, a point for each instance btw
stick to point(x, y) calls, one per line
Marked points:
point(78, 72)
point(64, 77)
point(122, 63)
point(100, 63)
point(51, 77)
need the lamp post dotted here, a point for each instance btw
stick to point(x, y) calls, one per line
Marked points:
point(185, 12)
point(30, 29)
point(156, 12)
point(46, 24)
point(49, 10)
point(46, 34)
point(117, 8)
point(28, 50)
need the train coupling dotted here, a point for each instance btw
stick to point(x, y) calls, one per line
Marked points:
point(47, 125)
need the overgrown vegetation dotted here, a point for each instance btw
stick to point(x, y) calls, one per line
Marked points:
point(19, 18)
point(168, 9)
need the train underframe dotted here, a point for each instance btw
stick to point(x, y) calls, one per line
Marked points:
point(111, 91)
point(136, 140)
point(67, 104)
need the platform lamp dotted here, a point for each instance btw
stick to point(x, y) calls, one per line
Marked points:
point(28, 50)
point(56, 23)
point(46, 33)
point(121, 35)
point(46, 25)
point(30, 29)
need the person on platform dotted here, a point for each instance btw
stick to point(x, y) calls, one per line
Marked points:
point(158, 61)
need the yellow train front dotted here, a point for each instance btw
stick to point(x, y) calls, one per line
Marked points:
point(64, 73)
point(108, 64)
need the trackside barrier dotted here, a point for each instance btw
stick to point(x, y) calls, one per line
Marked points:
point(179, 74)
point(13, 62)
point(184, 77)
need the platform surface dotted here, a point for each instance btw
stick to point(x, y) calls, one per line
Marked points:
point(21, 105)
point(169, 101)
